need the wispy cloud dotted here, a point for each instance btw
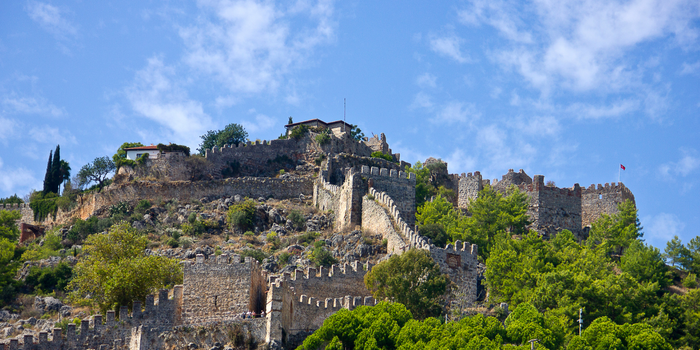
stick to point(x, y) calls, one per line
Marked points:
point(251, 46)
point(8, 127)
point(421, 100)
point(16, 180)
point(51, 135)
point(662, 227)
point(426, 80)
point(449, 46)
point(690, 68)
point(579, 45)
point(457, 112)
point(259, 122)
point(156, 95)
point(12, 103)
point(588, 111)
point(51, 19)
point(687, 164)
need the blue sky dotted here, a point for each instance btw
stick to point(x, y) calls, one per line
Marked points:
point(567, 89)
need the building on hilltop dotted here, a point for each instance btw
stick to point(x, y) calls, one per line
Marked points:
point(133, 153)
point(338, 127)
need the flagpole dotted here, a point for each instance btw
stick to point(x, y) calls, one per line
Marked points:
point(619, 171)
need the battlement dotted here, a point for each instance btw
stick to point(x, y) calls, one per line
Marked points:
point(14, 206)
point(375, 171)
point(96, 332)
point(250, 146)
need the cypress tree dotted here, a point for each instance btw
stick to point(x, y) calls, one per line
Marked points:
point(47, 177)
point(56, 170)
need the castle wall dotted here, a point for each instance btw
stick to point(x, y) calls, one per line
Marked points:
point(599, 200)
point(337, 165)
point(254, 158)
point(511, 178)
point(468, 188)
point(459, 262)
point(24, 209)
point(376, 221)
point(400, 186)
point(221, 288)
point(158, 315)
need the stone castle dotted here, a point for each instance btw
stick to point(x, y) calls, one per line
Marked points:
point(374, 194)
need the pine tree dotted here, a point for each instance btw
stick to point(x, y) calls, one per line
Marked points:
point(47, 177)
point(56, 170)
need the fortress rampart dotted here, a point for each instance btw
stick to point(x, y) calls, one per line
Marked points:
point(602, 199)
point(221, 288)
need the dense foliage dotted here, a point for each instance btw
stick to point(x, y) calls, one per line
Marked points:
point(492, 214)
point(686, 257)
point(120, 159)
point(413, 279)
point(113, 270)
point(9, 255)
point(14, 199)
point(174, 148)
point(382, 155)
point(241, 215)
point(232, 134)
point(391, 326)
point(428, 181)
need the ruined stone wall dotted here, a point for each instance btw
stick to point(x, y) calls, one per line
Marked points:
point(221, 288)
point(511, 178)
point(24, 209)
point(459, 262)
point(128, 332)
point(602, 200)
point(468, 188)
point(187, 190)
point(400, 186)
point(298, 305)
point(553, 209)
point(325, 195)
point(255, 158)
point(375, 220)
point(171, 168)
point(338, 164)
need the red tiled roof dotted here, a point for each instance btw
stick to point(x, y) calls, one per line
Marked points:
point(142, 148)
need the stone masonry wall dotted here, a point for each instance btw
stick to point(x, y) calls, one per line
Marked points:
point(24, 209)
point(400, 186)
point(553, 209)
point(127, 332)
point(602, 200)
point(186, 190)
point(468, 188)
point(375, 220)
point(221, 288)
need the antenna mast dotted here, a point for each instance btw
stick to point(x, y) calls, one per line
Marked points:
point(343, 114)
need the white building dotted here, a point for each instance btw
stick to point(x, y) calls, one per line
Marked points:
point(134, 153)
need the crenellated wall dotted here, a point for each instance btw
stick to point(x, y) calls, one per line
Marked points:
point(602, 200)
point(130, 331)
point(24, 209)
point(297, 305)
point(221, 288)
point(375, 220)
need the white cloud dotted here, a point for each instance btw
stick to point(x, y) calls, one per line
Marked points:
point(16, 180)
point(495, 92)
point(537, 126)
point(156, 96)
point(51, 19)
point(456, 111)
point(259, 123)
point(426, 80)
point(692, 68)
point(30, 105)
point(449, 46)
point(8, 127)
point(663, 226)
point(421, 100)
point(51, 135)
point(251, 46)
point(687, 164)
point(579, 45)
point(460, 162)
point(619, 108)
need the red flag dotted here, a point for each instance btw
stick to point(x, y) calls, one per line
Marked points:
point(622, 167)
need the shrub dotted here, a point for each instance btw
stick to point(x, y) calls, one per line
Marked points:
point(690, 281)
point(195, 229)
point(322, 257)
point(83, 228)
point(319, 159)
point(297, 219)
point(172, 242)
point(192, 217)
point(284, 258)
point(49, 279)
point(323, 138)
point(299, 131)
point(43, 205)
point(307, 237)
point(241, 215)
point(119, 208)
point(381, 155)
point(142, 206)
point(254, 253)
point(249, 236)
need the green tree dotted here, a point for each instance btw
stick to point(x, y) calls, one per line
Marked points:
point(241, 215)
point(97, 172)
point(64, 172)
point(8, 224)
point(113, 270)
point(56, 177)
point(232, 134)
point(526, 323)
point(645, 263)
point(120, 159)
point(674, 251)
point(355, 133)
point(413, 279)
point(616, 232)
point(690, 258)
point(47, 175)
point(605, 334)
point(13, 199)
